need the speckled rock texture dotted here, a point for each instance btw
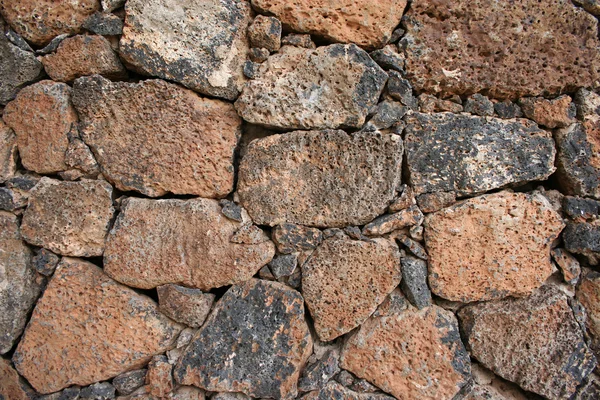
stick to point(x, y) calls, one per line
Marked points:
point(18, 68)
point(185, 305)
point(555, 113)
point(588, 294)
point(12, 386)
point(535, 342)
point(334, 390)
point(87, 328)
point(8, 152)
point(324, 179)
point(130, 129)
point(256, 341)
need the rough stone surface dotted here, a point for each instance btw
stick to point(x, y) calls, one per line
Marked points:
point(328, 87)
point(185, 305)
point(42, 116)
point(591, 390)
point(290, 238)
point(391, 222)
point(45, 262)
point(98, 391)
point(265, 32)
point(345, 21)
point(507, 109)
point(345, 280)
point(12, 386)
point(535, 342)
point(200, 44)
point(588, 294)
point(128, 382)
point(480, 105)
point(569, 266)
point(17, 68)
point(154, 242)
point(404, 200)
point(316, 375)
point(87, 328)
point(580, 209)
point(583, 238)
point(491, 246)
point(69, 218)
point(334, 390)
point(468, 154)
point(555, 113)
point(283, 265)
point(129, 127)
point(298, 40)
point(414, 281)
point(159, 377)
point(256, 341)
point(388, 58)
point(401, 89)
point(104, 24)
point(8, 152)
point(431, 202)
point(413, 354)
point(430, 104)
point(320, 178)
point(503, 49)
point(83, 55)
point(387, 114)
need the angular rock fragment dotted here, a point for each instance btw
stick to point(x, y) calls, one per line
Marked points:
point(329, 87)
point(45, 262)
point(588, 294)
point(412, 354)
point(298, 40)
point(587, 103)
point(591, 6)
point(535, 342)
point(8, 152)
point(98, 391)
point(556, 113)
point(388, 58)
point(391, 222)
point(583, 238)
point(159, 377)
point(334, 390)
point(468, 154)
point(405, 199)
point(345, 21)
point(569, 266)
point(200, 44)
point(130, 129)
point(591, 389)
point(290, 238)
point(412, 246)
point(491, 246)
point(185, 305)
point(265, 32)
point(187, 242)
point(83, 55)
point(230, 396)
point(503, 49)
point(401, 89)
point(87, 328)
point(316, 375)
point(231, 210)
point(387, 114)
point(256, 341)
point(128, 382)
point(320, 178)
point(345, 280)
point(479, 105)
point(69, 218)
point(580, 209)
point(431, 202)
point(17, 68)
point(104, 24)
point(507, 109)
point(258, 55)
point(430, 104)
point(283, 265)
point(12, 386)
point(414, 281)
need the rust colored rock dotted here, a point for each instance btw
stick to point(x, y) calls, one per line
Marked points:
point(256, 341)
point(391, 222)
point(39, 21)
point(69, 218)
point(320, 178)
point(185, 305)
point(588, 294)
point(159, 377)
point(569, 266)
point(83, 55)
point(503, 49)
point(345, 280)
point(88, 328)
point(491, 246)
point(325, 88)
point(369, 25)
point(431, 202)
point(187, 242)
point(412, 354)
point(535, 342)
point(555, 113)
point(12, 386)
point(156, 137)
point(8, 152)
point(41, 116)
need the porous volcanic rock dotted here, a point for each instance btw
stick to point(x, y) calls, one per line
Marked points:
point(155, 242)
point(12, 386)
point(555, 113)
point(200, 44)
point(39, 21)
point(588, 294)
point(491, 246)
point(69, 218)
point(535, 342)
point(159, 377)
point(391, 222)
point(8, 152)
point(291, 238)
point(504, 49)
point(334, 390)
point(369, 25)
point(320, 178)
point(17, 68)
point(88, 328)
point(468, 154)
point(256, 341)
point(265, 32)
point(345, 280)
point(583, 238)
point(156, 137)
point(328, 87)
point(411, 354)
point(185, 305)
point(42, 116)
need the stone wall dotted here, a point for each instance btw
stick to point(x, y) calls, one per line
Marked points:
point(301, 199)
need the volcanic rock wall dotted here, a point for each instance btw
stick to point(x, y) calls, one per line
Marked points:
point(301, 199)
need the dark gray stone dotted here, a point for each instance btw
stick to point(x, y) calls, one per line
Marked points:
point(590, 390)
point(258, 54)
point(583, 238)
point(363, 386)
point(345, 378)
point(578, 207)
point(104, 24)
point(283, 265)
point(401, 89)
point(128, 382)
point(290, 238)
point(295, 279)
point(298, 40)
point(316, 375)
point(507, 109)
point(98, 391)
point(8, 201)
point(387, 114)
point(334, 391)
point(53, 45)
point(17, 69)
point(479, 105)
point(231, 210)
point(72, 393)
point(250, 69)
point(45, 261)
point(388, 58)
point(414, 281)
point(396, 35)
point(18, 41)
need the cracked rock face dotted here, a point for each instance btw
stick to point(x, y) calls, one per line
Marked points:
point(504, 49)
point(155, 137)
point(88, 328)
point(328, 87)
point(491, 246)
point(320, 178)
point(255, 341)
point(200, 44)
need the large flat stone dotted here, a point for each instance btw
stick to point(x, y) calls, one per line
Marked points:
point(156, 137)
point(17, 68)
point(320, 178)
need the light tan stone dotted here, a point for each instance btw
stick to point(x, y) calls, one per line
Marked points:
point(8, 152)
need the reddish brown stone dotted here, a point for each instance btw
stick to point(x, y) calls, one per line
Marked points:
point(569, 266)
point(555, 113)
point(404, 200)
point(8, 153)
point(185, 305)
point(491, 246)
point(12, 386)
point(391, 222)
point(88, 328)
point(431, 202)
point(588, 294)
point(265, 32)
point(159, 377)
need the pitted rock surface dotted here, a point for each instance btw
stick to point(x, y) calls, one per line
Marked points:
point(156, 137)
point(588, 294)
point(185, 305)
point(200, 44)
point(155, 242)
point(345, 280)
point(368, 25)
point(88, 328)
point(555, 113)
point(8, 152)
point(17, 69)
point(320, 178)
point(255, 341)
point(503, 49)
point(491, 246)
point(468, 154)
point(12, 386)
point(411, 354)
point(324, 88)
point(535, 342)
